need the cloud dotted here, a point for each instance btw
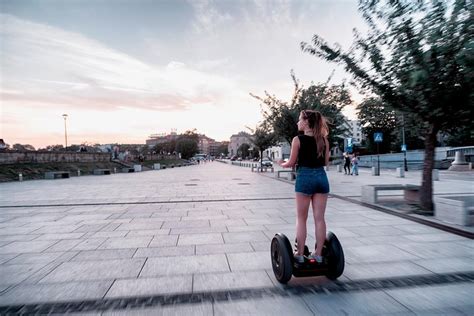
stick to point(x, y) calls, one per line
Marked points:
point(46, 66)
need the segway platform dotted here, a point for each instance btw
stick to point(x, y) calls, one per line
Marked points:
point(284, 265)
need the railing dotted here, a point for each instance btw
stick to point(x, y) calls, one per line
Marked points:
point(467, 151)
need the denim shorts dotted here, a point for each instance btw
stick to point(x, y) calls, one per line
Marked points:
point(311, 180)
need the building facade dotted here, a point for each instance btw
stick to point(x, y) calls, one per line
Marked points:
point(237, 140)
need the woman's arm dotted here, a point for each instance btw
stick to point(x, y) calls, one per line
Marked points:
point(326, 156)
point(295, 148)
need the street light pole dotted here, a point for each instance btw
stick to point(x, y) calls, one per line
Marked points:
point(65, 130)
point(403, 136)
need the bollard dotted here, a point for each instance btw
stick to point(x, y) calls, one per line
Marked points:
point(115, 170)
point(339, 168)
point(375, 171)
point(78, 172)
point(400, 172)
point(435, 175)
point(20, 177)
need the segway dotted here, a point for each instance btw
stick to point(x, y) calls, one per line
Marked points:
point(284, 265)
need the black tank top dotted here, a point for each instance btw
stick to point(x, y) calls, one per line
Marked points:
point(308, 153)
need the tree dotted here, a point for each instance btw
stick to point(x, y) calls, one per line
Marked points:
point(262, 138)
point(20, 147)
point(374, 117)
point(283, 116)
point(243, 150)
point(187, 144)
point(222, 149)
point(418, 57)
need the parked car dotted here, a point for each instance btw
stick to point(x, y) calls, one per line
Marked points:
point(267, 162)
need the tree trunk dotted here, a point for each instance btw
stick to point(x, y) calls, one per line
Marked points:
point(426, 192)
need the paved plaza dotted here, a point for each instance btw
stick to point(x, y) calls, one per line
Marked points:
point(195, 241)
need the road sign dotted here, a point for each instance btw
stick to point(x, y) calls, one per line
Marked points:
point(404, 147)
point(378, 137)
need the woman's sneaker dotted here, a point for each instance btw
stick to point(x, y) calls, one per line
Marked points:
point(319, 259)
point(299, 258)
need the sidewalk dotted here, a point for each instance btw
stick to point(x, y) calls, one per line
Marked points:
point(195, 241)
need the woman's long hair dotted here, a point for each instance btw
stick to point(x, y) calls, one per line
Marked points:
point(318, 123)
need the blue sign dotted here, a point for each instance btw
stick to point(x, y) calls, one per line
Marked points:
point(378, 137)
point(404, 147)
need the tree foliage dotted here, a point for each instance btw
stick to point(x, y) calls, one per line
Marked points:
point(418, 57)
point(262, 138)
point(374, 118)
point(282, 116)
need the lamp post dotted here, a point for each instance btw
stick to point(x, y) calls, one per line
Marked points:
point(405, 164)
point(65, 130)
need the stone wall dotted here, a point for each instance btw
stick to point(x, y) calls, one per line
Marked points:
point(49, 156)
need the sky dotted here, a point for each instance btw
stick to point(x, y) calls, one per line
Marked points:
point(125, 69)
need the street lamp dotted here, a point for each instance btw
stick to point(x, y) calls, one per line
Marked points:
point(65, 130)
point(404, 146)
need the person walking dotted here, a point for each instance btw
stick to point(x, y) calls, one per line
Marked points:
point(355, 165)
point(311, 152)
point(347, 163)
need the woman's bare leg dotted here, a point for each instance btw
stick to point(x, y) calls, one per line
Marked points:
point(319, 202)
point(302, 206)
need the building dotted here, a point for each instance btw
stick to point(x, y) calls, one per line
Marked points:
point(155, 139)
point(355, 131)
point(278, 152)
point(205, 144)
point(237, 140)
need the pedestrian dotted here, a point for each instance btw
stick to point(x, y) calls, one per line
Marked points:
point(347, 163)
point(311, 152)
point(355, 165)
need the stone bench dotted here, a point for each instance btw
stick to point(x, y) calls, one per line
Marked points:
point(57, 175)
point(291, 175)
point(262, 169)
point(411, 192)
point(128, 170)
point(455, 209)
point(98, 172)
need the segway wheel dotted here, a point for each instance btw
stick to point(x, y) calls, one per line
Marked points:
point(281, 258)
point(335, 256)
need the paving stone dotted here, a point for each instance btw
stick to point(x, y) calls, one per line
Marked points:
point(140, 226)
point(264, 306)
point(200, 239)
point(60, 292)
point(26, 246)
point(231, 280)
point(46, 230)
point(446, 264)
point(246, 228)
point(64, 245)
point(33, 258)
point(95, 270)
point(126, 242)
point(104, 254)
point(151, 286)
point(228, 222)
point(244, 237)
point(89, 244)
point(164, 241)
point(198, 309)
point(250, 261)
point(383, 270)
point(224, 248)
point(376, 253)
point(110, 234)
point(187, 224)
point(6, 239)
point(199, 230)
point(148, 232)
point(15, 273)
point(357, 303)
point(437, 249)
point(184, 265)
point(165, 251)
point(431, 297)
point(7, 257)
point(434, 237)
point(375, 231)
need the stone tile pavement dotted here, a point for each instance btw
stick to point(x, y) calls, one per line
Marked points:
point(196, 240)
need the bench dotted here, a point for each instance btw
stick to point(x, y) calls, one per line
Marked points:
point(57, 175)
point(291, 175)
point(411, 192)
point(98, 172)
point(128, 170)
point(262, 169)
point(457, 210)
